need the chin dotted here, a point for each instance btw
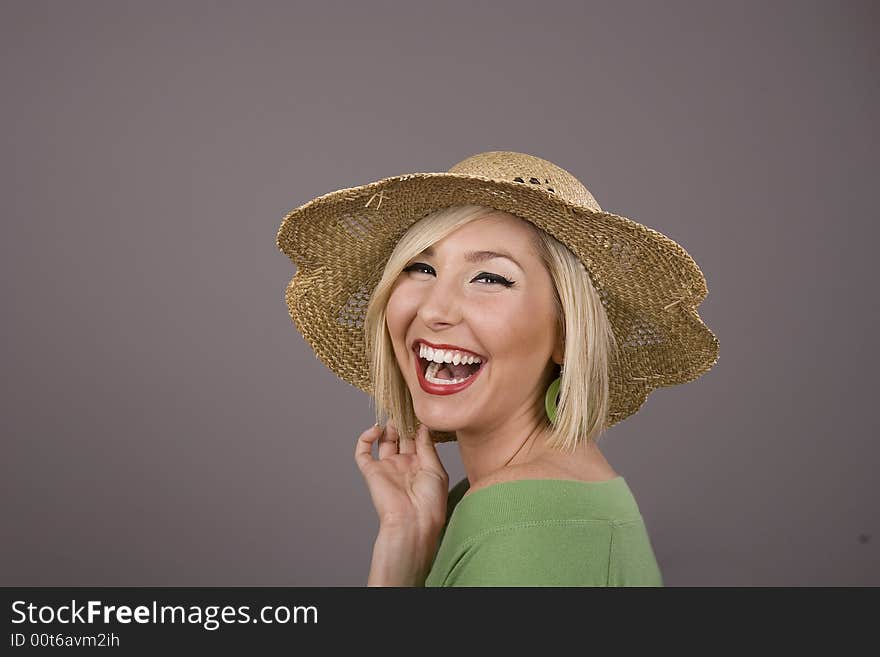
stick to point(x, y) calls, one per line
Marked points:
point(437, 421)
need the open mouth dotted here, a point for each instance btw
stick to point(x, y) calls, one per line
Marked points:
point(440, 378)
point(447, 373)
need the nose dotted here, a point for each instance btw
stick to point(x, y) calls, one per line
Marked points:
point(441, 304)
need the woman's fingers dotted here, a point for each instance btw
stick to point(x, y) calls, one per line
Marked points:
point(388, 441)
point(427, 451)
point(363, 450)
point(391, 443)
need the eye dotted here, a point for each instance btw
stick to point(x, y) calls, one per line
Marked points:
point(418, 266)
point(492, 278)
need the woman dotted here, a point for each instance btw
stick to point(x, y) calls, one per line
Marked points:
point(498, 306)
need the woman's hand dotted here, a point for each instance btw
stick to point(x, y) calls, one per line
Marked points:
point(408, 483)
point(409, 487)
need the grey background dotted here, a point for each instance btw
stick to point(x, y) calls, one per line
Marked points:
point(165, 424)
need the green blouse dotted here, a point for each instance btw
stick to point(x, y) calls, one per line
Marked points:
point(544, 532)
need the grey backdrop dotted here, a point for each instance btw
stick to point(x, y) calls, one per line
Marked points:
point(165, 424)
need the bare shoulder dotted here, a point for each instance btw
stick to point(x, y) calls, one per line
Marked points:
point(544, 470)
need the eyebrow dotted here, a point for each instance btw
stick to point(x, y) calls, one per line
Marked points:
point(479, 256)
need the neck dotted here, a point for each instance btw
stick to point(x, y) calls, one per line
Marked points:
point(518, 440)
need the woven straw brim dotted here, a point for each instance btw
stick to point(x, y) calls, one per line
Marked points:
point(649, 285)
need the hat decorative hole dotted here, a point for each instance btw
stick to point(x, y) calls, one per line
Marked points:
point(625, 255)
point(536, 181)
point(353, 313)
point(358, 226)
point(643, 333)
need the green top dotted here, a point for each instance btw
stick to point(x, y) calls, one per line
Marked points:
point(544, 532)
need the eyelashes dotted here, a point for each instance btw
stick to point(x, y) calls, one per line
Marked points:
point(492, 278)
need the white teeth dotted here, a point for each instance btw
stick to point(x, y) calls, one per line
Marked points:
point(446, 355)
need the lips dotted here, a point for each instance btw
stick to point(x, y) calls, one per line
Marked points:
point(441, 388)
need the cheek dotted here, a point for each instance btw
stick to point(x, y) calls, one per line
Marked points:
point(399, 314)
point(520, 334)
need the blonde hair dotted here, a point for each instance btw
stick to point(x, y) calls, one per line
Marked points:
point(582, 411)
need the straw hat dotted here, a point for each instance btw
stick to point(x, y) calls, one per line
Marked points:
point(649, 285)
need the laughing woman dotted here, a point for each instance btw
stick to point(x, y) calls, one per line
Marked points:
point(496, 305)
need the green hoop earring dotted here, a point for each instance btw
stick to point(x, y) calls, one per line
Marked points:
point(550, 398)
